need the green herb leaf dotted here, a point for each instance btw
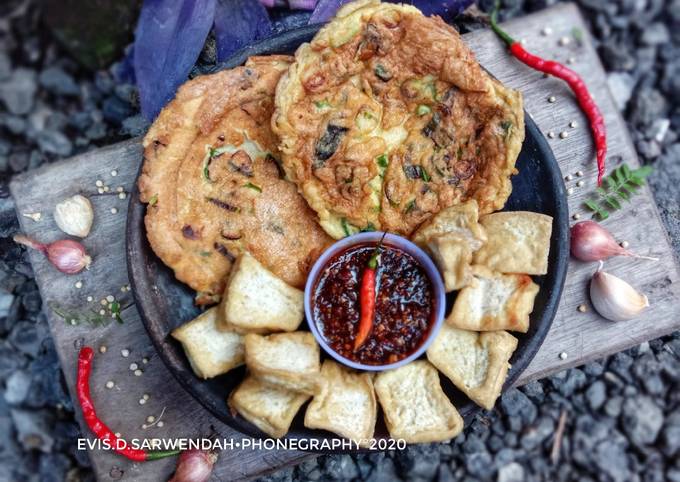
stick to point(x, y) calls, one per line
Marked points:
point(424, 175)
point(322, 104)
point(433, 90)
point(92, 318)
point(507, 128)
point(252, 186)
point(153, 200)
point(410, 206)
point(382, 160)
point(423, 110)
point(619, 186)
point(382, 73)
point(206, 165)
point(345, 227)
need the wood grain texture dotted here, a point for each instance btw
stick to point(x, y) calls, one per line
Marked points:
point(582, 336)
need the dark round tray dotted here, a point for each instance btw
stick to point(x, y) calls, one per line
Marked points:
point(164, 303)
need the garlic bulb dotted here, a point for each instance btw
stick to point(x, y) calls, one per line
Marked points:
point(615, 299)
point(74, 215)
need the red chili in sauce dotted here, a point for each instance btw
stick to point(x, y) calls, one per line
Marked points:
point(404, 304)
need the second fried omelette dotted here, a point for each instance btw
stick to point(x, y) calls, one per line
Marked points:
point(386, 118)
point(213, 185)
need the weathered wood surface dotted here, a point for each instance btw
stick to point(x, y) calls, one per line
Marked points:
point(582, 336)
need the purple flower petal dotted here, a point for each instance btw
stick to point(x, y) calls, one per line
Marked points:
point(124, 72)
point(302, 4)
point(447, 9)
point(237, 24)
point(325, 10)
point(169, 37)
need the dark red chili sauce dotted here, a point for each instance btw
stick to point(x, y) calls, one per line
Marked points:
point(404, 306)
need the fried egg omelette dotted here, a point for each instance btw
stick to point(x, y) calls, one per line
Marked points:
point(214, 187)
point(386, 118)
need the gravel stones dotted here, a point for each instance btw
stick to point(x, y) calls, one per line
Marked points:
point(58, 82)
point(512, 472)
point(670, 436)
point(648, 105)
point(54, 142)
point(655, 34)
point(517, 405)
point(18, 91)
point(610, 458)
point(621, 86)
point(33, 429)
point(6, 300)
point(568, 382)
point(479, 465)
point(596, 395)
point(536, 434)
point(642, 420)
point(17, 387)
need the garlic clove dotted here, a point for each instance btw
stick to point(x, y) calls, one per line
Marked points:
point(74, 215)
point(615, 299)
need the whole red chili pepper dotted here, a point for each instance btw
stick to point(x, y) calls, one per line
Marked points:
point(575, 82)
point(367, 292)
point(98, 427)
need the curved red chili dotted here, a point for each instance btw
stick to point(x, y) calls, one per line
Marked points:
point(99, 428)
point(367, 294)
point(575, 82)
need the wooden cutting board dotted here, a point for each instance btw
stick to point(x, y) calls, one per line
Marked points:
point(581, 336)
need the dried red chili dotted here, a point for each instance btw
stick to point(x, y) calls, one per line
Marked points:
point(575, 82)
point(98, 427)
point(367, 297)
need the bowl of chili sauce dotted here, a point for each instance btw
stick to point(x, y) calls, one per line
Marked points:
point(408, 307)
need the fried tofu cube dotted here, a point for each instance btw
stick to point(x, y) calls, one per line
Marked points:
point(518, 242)
point(211, 352)
point(416, 408)
point(476, 363)
point(271, 409)
point(494, 301)
point(286, 360)
point(453, 256)
point(345, 403)
point(461, 220)
point(256, 301)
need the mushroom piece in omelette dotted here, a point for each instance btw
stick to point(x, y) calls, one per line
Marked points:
point(386, 118)
point(213, 185)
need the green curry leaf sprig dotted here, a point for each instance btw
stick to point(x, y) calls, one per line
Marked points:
point(619, 186)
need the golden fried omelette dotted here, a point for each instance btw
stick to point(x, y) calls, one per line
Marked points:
point(214, 187)
point(386, 118)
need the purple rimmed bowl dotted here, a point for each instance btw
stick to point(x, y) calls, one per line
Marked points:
point(438, 291)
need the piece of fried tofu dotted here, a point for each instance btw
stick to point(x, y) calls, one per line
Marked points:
point(344, 404)
point(416, 408)
point(494, 301)
point(518, 242)
point(461, 220)
point(256, 301)
point(287, 360)
point(476, 363)
point(211, 352)
point(271, 409)
point(453, 256)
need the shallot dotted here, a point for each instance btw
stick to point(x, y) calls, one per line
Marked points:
point(591, 242)
point(615, 299)
point(194, 466)
point(66, 255)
